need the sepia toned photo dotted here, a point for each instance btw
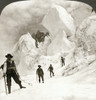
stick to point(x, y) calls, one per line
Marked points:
point(47, 49)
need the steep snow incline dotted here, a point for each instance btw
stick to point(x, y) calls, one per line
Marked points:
point(86, 73)
point(58, 20)
point(60, 44)
point(78, 10)
point(27, 56)
point(80, 86)
point(85, 52)
point(86, 35)
point(52, 89)
point(43, 46)
point(60, 24)
point(25, 53)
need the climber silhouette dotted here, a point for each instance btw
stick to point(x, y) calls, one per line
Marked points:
point(51, 70)
point(40, 73)
point(62, 61)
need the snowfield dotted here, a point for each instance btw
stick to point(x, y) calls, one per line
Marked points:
point(72, 30)
point(79, 86)
point(62, 88)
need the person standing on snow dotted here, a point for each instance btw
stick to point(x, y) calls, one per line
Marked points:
point(62, 61)
point(9, 70)
point(51, 70)
point(40, 74)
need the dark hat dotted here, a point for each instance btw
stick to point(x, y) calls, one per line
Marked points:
point(39, 66)
point(9, 55)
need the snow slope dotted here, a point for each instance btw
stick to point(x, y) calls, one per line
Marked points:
point(78, 10)
point(81, 85)
point(85, 52)
point(53, 89)
point(60, 44)
point(28, 57)
point(25, 16)
point(86, 35)
point(25, 53)
point(58, 20)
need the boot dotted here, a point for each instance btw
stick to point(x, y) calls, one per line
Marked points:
point(39, 80)
point(9, 89)
point(21, 86)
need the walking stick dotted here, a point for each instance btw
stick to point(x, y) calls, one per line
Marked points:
point(5, 84)
point(36, 77)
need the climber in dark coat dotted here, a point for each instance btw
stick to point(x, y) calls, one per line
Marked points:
point(40, 74)
point(9, 70)
point(62, 61)
point(51, 70)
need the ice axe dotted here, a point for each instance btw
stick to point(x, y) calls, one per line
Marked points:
point(5, 84)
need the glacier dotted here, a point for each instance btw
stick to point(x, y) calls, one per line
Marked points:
point(26, 54)
point(69, 37)
point(60, 44)
point(58, 16)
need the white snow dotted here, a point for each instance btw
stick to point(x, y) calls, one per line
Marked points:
point(60, 44)
point(25, 52)
point(79, 61)
point(26, 16)
point(79, 11)
point(57, 20)
point(86, 35)
point(60, 24)
point(43, 46)
point(80, 86)
point(53, 89)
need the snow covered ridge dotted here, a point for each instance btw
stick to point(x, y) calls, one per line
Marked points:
point(80, 60)
point(61, 26)
point(25, 52)
point(30, 56)
point(26, 14)
point(85, 52)
point(59, 19)
point(86, 35)
point(27, 56)
point(25, 41)
point(60, 44)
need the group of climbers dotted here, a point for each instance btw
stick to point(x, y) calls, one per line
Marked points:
point(40, 72)
point(10, 71)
